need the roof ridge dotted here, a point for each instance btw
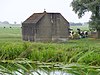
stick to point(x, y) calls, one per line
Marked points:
point(34, 18)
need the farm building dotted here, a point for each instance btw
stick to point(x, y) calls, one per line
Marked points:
point(45, 27)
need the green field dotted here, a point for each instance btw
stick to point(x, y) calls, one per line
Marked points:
point(10, 34)
point(83, 51)
point(85, 27)
point(10, 39)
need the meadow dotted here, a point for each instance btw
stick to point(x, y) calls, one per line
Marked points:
point(83, 53)
point(83, 27)
point(10, 34)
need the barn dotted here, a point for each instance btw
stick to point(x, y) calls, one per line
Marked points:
point(45, 27)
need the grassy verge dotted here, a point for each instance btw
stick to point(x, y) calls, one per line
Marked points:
point(85, 51)
point(79, 51)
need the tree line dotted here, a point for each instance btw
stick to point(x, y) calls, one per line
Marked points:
point(5, 22)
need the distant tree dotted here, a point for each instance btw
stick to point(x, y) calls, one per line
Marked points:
point(82, 6)
point(15, 22)
point(0, 22)
point(5, 22)
point(78, 24)
point(75, 24)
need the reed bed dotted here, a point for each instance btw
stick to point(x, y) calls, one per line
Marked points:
point(79, 51)
point(84, 53)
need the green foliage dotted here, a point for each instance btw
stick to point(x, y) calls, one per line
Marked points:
point(11, 50)
point(82, 6)
point(82, 51)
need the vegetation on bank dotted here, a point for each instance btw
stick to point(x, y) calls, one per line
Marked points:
point(83, 51)
point(55, 55)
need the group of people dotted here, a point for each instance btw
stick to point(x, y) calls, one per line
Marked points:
point(79, 34)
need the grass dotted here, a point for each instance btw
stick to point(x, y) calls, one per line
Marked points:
point(83, 51)
point(85, 27)
point(10, 34)
point(76, 51)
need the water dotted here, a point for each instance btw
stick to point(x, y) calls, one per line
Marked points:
point(41, 72)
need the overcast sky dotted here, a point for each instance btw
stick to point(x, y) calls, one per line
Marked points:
point(19, 10)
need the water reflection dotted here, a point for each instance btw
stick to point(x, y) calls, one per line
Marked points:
point(52, 73)
point(40, 72)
